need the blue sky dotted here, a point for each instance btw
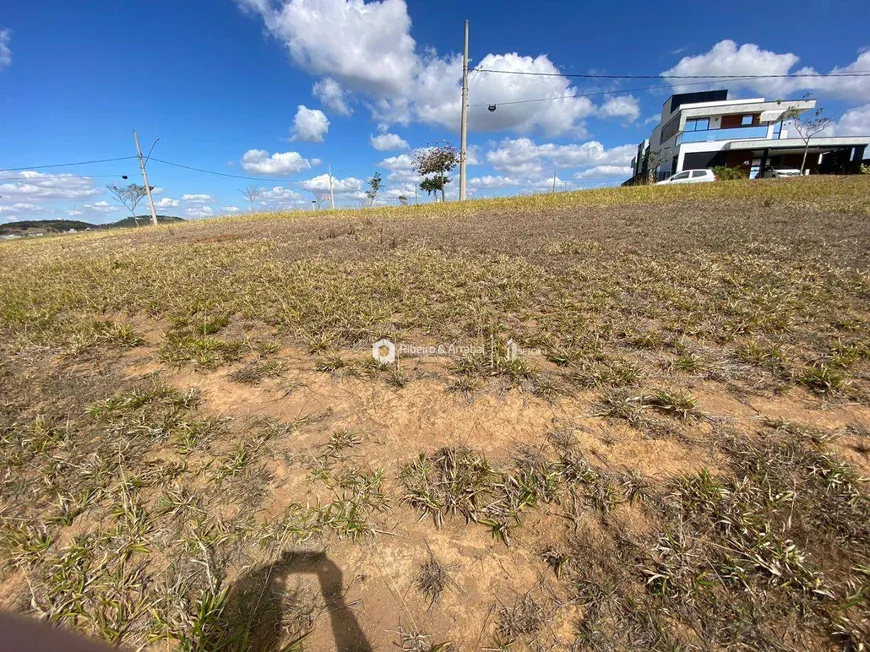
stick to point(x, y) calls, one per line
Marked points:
point(277, 90)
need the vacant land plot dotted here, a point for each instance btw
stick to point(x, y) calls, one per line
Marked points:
point(198, 451)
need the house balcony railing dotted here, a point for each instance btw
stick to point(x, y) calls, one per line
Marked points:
point(709, 135)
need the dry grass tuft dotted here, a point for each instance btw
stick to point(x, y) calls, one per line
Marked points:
point(128, 504)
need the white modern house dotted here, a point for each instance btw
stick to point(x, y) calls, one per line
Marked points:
point(706, 129)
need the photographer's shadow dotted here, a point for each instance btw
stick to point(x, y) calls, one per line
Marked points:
point(256, 611)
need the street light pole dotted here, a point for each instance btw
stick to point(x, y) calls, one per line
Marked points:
point(145, 179)
point(331, 193)
point(463, 153)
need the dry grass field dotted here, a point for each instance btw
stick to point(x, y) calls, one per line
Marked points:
point(198, 451)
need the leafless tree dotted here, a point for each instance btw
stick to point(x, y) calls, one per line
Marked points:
point(252, 193)
point(319, 199)
point(807, 128)
point(128, 196)
point(654, 159)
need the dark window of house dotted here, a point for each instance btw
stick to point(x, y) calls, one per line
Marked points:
point(676, 101)
point(702, 124)
point(731, 121)
point(670, 129)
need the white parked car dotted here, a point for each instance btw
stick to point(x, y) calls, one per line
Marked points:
point(771, 172)
point(689, 176)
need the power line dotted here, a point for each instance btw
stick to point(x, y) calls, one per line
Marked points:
point(597, 94)
point(347, 184)
point(857, 73)
point(88, 176)
point(219, 174)
point(66, 165)
point(238, 176)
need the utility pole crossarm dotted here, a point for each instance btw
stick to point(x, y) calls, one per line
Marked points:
point(145, 179)
point(463, 154)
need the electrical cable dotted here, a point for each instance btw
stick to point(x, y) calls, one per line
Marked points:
point(597, 94)
point(64, 165)
point(88, 176)
point(220, 174)
point(856, 73)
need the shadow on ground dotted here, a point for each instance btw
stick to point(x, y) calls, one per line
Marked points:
point(265, 614)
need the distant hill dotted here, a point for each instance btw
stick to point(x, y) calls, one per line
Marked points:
point(33, 227)
point(142, 220)
point(43, 226)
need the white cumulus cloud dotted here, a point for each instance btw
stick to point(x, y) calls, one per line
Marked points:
point(259, 161)
point(18, 206)
point(309, 125)
point(5, 52)
point(436, 96)
point(401, 169)
point(101, 207)
point(605, 172)
point(621, 106)
point(366, 48)
point(400, 162)
point(198, 198)
point(200, 211)
point(167, 202)
point(280, 197)
point(522, 156)
point(728, 58)
point(36, 185)
point(387, 142)
point(855, 122)
point(331, 95)
point(320, 185)
point(491, 182)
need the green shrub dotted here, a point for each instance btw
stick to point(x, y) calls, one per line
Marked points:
point(724, 173)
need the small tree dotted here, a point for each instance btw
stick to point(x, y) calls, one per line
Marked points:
point(374, 187)
point(129, 197)
point(654, 158)
point(403, 200)
point(436, 161)
point(807, 128)
point(432, 184)
point(252, 193)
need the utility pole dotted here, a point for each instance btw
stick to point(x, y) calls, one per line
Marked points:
point(331, 194)
point(145, 179)
point(463, 138)
point(554, 183)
